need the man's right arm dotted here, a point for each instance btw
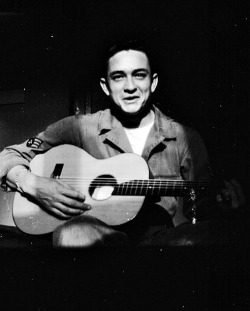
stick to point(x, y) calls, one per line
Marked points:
point(52, 194)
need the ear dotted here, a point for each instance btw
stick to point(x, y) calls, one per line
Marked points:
point(154, 82)
point(104, 86)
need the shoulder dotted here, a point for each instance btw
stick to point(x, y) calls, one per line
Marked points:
point(95, 121)
point(89, 118)
point(173, 128)
point(89, 123)
point(189, 138)
point(94, 117)
point(186, 138)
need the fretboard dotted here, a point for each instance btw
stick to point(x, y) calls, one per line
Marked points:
point(164, 187)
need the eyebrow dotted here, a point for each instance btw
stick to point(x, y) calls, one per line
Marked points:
point(134, 71)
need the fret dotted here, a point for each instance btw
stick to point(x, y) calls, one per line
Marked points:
point(173, 188)
point(150, 187)
point(122, 189)
point(160, 187)
point(131, 188)
point(156, 184)
point(147, 187)
point(117, 189)
point(126, 187)
point(143, 187)
point(136, 188)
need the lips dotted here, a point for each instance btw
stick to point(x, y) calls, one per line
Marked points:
point(131, 98)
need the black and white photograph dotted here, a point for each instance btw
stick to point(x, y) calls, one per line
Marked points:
point(124, 164)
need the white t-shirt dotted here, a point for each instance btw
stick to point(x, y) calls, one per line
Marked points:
point(138, 136)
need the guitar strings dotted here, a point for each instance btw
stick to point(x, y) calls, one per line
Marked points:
point(144, 184)
point(154, 182)
point(136, 180)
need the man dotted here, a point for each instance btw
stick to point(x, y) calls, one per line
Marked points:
point(131, 124)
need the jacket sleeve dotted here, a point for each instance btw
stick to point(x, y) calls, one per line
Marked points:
point(64, 131)
point(195, 166)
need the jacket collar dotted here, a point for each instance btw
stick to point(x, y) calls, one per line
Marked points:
point(112, 130)
point(163, 125)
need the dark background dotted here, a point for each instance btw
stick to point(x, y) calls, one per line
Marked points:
point(50, 57)
point(55, 47)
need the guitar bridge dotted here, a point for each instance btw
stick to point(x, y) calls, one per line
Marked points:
point(57, 171)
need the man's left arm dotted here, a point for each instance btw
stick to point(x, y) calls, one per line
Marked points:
point(195, 166)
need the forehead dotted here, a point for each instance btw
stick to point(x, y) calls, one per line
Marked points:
point(128, 61)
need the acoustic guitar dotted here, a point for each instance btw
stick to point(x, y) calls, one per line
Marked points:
point(115, 187)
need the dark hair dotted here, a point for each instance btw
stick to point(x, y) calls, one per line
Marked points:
point(125, 46)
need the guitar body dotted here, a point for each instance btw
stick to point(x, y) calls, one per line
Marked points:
point(81, 171)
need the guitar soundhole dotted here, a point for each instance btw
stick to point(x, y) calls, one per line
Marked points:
point(102, 187)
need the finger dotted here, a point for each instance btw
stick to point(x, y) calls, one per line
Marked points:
point(226, 193)
point(219, 198)
point(239, 191)
point(230, 189)
point(59, 214)
point(73, 203)
point(68, 191)
point(68, 210)
point(79, 196)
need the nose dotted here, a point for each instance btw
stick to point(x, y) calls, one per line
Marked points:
point(130, 86)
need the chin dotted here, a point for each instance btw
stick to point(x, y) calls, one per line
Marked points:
point(132, 109)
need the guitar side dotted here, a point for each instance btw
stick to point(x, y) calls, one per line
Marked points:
point(83, 169)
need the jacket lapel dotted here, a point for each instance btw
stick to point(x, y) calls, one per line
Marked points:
point(162, 130)
point(113, 132)
point(118, 137)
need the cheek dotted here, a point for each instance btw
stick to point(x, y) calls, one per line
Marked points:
point(146, 92)
point(116, 90)
point(146, 87)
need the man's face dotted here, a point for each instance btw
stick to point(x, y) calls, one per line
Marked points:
point(129, 81)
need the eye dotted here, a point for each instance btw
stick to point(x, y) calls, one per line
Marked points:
point(140, 75)
point(117, 77)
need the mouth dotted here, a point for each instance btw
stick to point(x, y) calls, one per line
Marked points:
point(131, 98)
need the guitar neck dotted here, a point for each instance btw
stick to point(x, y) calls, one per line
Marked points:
point(165, 187)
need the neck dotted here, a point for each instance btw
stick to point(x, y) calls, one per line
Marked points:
point(140, 119)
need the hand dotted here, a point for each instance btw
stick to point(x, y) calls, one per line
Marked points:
point(55, 196)
point(232, 194)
